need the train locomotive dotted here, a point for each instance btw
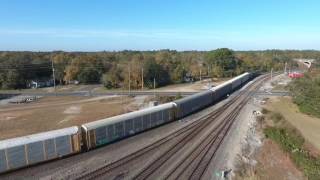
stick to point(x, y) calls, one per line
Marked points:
point(33, 149)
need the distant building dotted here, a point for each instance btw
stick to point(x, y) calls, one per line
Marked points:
point(188, 78)
point(73, 82)
point(305, 62)
point(40, 83)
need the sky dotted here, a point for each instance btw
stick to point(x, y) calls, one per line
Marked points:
point(113, 25)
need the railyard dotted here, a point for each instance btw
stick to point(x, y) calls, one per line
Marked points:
point(48, 111)
point(159, 90)
point(181, 142)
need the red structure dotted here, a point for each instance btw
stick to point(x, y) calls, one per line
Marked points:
point(295, 75)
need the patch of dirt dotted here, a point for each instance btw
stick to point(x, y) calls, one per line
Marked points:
point(273, 163)
point(268, 162)
point(6, 116)
point(52, 113)
point(73, 110)
point(312, 150)
point(192, 87)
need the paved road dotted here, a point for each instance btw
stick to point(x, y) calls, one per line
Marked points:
point(135, 93)
point(88, 93)
point(276, 93)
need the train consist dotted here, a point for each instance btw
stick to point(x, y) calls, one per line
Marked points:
point(28, 150)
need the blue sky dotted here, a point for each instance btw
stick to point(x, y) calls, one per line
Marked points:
point(95, 25)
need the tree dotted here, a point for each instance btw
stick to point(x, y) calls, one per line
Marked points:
point(12, 79)
point(89, 75)
point(155, 71)
point(135, 65)
point(60, 61)
point(112, 78)
point(86, 68)
point(178, 74)
point(72, 70)
point(223, 60)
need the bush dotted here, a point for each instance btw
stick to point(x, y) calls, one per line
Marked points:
point(276, 117)
point(306, 94)
point(265, 111)
point(292, 143)
point(89, 76)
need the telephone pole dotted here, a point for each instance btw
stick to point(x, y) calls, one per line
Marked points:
point(129, 81)
point(154, 87)
point(271, 73)
point(285, 68)
point(53, 74)
point(142, 79)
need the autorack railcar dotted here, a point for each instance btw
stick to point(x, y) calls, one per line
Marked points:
point(32, 149)
point(111, 129)
point(239, 80)
point(193, 103)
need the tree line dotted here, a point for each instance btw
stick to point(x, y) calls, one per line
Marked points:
point(116, 69)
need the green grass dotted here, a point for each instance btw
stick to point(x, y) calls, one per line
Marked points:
point(306, 94)
point(292, 142)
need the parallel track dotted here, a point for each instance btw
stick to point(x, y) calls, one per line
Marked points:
point(181, 133)
point(197, 160)
point(182, 136)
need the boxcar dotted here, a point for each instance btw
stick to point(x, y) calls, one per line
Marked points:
point(107, 130)
point(222, 90)
point(238, 81)
point(193, 103)
point(246, 78)
point(27, 150)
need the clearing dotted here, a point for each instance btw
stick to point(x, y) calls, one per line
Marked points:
point(308, 126)
point(49, 113)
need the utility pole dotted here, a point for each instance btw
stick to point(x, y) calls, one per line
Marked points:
point(285, 68)
point(271, 73)
point(53, 74)
point(142, 78)
point(129, 81)
point(200, 74)
point(154, 86)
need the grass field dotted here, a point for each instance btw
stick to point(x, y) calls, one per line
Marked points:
point(307, 125)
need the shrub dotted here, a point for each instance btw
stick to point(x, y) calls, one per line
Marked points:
point(292, 143)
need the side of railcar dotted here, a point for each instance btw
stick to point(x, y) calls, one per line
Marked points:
point(254, 74)
point(28, 150)
point(238, 81)
point(246, 78)
point(108, 130)
point(223, 90)
point(193, 103)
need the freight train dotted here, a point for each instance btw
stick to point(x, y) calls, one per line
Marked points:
point(33, 149)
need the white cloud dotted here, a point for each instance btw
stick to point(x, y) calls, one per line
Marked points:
point(152, 34)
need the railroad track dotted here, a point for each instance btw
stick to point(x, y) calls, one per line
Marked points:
point(182, 133)
point(215, 136)
point(202, 150)
point(182, 136)
point(198, 159)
